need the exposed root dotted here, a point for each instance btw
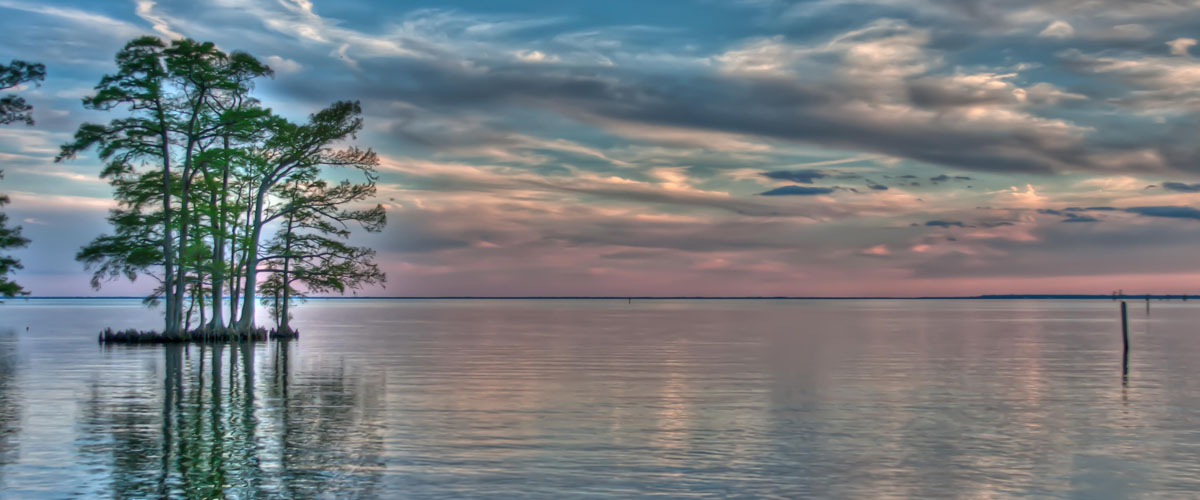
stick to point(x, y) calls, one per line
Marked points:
point(285, 333)
point(110, 336)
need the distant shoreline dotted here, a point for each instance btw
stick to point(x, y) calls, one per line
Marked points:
point(975, 297)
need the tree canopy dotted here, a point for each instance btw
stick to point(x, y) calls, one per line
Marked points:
point(202, 172)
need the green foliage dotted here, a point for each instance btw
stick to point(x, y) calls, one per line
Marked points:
point(132, 250)
point(274, 297)
point(13, 109)
point(10, 237)
point(310, 246)
point(199, 168)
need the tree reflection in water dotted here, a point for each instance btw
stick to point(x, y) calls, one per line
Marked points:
point(10, 407)
point(213, 422)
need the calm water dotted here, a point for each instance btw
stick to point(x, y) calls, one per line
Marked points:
point(592, 399)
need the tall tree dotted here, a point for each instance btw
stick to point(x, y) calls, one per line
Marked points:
point(142, 139)
point(243, 124)
point(290, 151)
point(205, 77)
point(13, 108)
point(168, 92)
point(310, 247)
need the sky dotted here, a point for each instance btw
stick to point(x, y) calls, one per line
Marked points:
point(699, 148)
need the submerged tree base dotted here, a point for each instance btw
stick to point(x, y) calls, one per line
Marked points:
point(110, 336)
point(284, 333)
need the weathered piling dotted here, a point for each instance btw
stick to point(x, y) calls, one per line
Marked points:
point(1124, 341)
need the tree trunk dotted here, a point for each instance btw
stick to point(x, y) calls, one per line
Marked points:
point(275, 303)
point(185, 225)
point(285, 325)
point(251, 250)
point(234, 281)
point(238, 265)
point(187, 324)
point(219, 228)
point(235, 276)
point(200, 297)
point(168, 237)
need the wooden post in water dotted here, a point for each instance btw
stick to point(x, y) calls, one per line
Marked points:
point(1147, 305)
point(1125, 341)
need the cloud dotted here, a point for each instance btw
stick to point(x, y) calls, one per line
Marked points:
point(1151, 84)
point(1058, 29)
point(853, 91)
point(1123, 32)
point(800, 176)
point(877, 251)
point(1001, 17)
point(885, 87)
point(1112, 183)
point(522, 145)
point(1171, 212)
point(1180, 46)
point(535, 56)
point(1182, 187)
point(1091, 209)
point(283, 65)
point(1073, 217)
point(145, 10)
point(797, 191)
point(73, 15)
point(480, 136)
point(1029, 198)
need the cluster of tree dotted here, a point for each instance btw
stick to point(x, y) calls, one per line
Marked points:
point(203, 173)
point(13, 109)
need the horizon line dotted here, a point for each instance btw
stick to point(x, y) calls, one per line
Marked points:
point(1016, 296)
